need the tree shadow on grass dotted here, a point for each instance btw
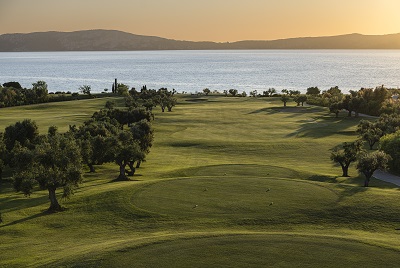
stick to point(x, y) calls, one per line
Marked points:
point(325, 126)
point(349, 191)
point(322, 178)
point(128, 178)
point(9, 204)
point(290, 110)
point(43, 213)
point(269, 110)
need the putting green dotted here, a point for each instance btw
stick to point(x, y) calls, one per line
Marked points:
point(235, 198)
point(251, 251)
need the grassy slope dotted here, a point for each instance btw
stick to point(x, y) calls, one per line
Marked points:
point(219, 167)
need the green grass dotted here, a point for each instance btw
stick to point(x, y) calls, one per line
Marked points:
point(60, 114)
point(251, 251)
point(235, 198)
point(229, 182)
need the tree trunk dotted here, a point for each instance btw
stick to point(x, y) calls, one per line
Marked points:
point(368, 176)
point(162, 108)
point(122, 176)
point(132, 172)
point(91, 167)
point(337, 114)
point(284, 104)
point(345, 170)
point(371, 145)
point(366, 182)
point(54, 205)
point(349, 115)
point(138, 163)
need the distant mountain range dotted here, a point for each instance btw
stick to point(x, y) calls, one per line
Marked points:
point(111, 40)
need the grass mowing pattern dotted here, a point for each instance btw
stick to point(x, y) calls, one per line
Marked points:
point(237, 148)
point(252, 251)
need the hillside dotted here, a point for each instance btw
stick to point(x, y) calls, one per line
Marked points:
point(111, 40)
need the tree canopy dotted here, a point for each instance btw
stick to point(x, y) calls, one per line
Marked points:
point(390, 144)
point(25, 132)
point(370, 132)
point(55, 162)
point(346, 154)
point(368, 163)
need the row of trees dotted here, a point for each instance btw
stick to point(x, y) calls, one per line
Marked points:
point(151, 98)
point(386, 131)
point(271, 92)
point(12, 94)
point(367, 162)
point(366, 100)
point(55, 160)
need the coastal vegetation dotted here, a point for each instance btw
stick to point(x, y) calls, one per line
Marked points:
point(223, 175)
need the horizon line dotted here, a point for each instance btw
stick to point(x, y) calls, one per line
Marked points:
point(220, 42)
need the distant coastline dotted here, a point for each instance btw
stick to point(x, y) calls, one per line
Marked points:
point(112, 40)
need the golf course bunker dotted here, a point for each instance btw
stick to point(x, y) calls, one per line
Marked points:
point(234, 198)
point(254, 251)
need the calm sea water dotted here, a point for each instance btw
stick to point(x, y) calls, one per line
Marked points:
point(193, 71)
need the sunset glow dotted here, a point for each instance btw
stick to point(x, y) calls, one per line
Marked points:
point(221, 20)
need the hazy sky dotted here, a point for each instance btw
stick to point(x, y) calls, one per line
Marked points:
point(213, 20)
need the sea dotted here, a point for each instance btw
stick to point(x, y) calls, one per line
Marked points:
point(192, 71)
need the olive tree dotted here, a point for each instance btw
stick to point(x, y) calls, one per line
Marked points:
point(94, 139)
point(335, 108)
point(300, 99)
point(85, 89)
point(171, 102)
point(346, 154)
point(25, 132)
point(285, 98)
point(233, 92)
point(368, 163)
point(313, 91)
point(370, 132)
point(126, 151)
point(143, 134)
point(40, 90)
point(390, 144)
point(54, 163)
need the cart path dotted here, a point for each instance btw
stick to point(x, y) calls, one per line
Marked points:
point(384, 176)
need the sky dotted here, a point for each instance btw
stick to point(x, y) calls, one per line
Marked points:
point(205, 20)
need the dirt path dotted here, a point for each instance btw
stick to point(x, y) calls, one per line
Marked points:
point(384, 176)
